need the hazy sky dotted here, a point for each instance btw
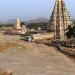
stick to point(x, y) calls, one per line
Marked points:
point(30, 9)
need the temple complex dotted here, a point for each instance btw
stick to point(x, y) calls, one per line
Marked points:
point(59, 20)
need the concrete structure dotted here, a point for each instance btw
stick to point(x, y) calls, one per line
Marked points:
point(17, 25)
point(60, 20)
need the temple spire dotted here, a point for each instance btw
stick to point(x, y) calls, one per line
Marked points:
point(17, 25)
point(59, 20)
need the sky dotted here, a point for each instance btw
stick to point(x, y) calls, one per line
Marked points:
point(31, 9)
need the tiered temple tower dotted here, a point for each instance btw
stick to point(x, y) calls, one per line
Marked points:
point(17, 26)
point(60, 20)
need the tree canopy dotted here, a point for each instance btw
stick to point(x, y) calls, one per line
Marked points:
point(70, 33)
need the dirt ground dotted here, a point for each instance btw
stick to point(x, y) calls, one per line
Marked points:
point(24, 58)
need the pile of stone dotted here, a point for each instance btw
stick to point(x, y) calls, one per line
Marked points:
point(69, 43)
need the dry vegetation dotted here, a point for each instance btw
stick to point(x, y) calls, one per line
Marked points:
point(6, 45)
point(5, 72)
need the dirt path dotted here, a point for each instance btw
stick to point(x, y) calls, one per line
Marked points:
point(36, 59)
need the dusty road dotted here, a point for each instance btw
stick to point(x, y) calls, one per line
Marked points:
point(35, 59)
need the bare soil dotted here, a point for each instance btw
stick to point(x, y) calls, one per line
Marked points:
point(24, 58)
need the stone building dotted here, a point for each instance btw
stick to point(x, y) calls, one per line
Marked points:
point(60, 20)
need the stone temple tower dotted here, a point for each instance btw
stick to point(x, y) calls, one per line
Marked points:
point(59, 20)
point(17, 25)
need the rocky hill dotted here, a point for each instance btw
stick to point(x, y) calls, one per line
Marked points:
point(39, 20)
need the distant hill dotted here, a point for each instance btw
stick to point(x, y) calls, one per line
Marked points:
point(11, 21)
point(39, 20)
point(1, 22)
point(73, 20)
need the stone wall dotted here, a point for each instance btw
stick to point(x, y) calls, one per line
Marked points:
point(9, 37)
point(41, 36)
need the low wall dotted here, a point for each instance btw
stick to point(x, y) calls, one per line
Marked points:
point(67, 51)
point(9, 37)
point(41, 36)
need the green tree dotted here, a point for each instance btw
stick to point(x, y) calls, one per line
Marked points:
point(70, 33)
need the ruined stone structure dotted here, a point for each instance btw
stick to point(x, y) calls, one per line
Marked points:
point(60, 20)
point(23, 29)
point(18, 28)
point(17, 25)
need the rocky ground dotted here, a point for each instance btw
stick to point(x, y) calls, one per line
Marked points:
point(24, 58)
